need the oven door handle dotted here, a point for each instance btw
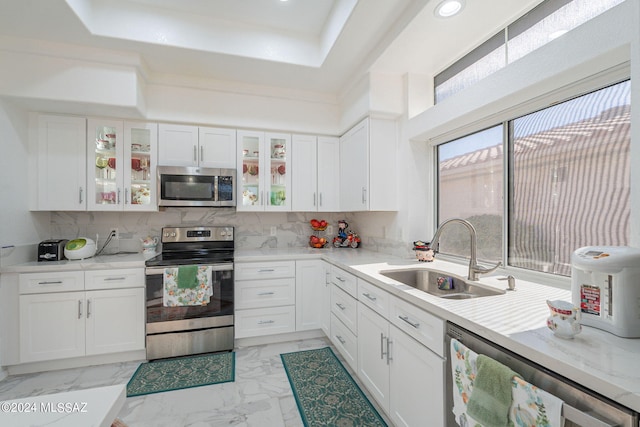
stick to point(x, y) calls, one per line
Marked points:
point(223, 266)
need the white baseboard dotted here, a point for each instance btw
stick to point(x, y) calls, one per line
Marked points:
point(77, 362)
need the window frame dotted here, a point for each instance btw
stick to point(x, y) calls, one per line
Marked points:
point(612, 76)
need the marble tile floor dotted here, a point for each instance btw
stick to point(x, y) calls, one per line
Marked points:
point(260, 396)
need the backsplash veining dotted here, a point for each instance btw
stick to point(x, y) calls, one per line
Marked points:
point(252, 229)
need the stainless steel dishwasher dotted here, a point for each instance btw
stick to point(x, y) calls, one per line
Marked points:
point(582, 407)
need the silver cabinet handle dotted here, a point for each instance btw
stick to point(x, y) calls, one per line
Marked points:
point(406, 319)
point(339, 338)
point(106, 279)
point(381, 345)
point(262, 294)
point(364, 195)
point(320, 199)
point(582, 418)
point(261, 198)
point(341, 279)
point(195, 154)
point(266, 270)
point(371, 297)
point(51, 282)
point(118, 201)
point(201, 153)
point(126, 196)
point(389, 358)
point(314, 198)
point(80, 195)
point(88, 308)
point(265, 322)
point(340, 306)
point(79, 308)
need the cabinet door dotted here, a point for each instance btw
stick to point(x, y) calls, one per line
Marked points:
point(417, 383)
point(373, 347)
point(217, 148)
point(115, 321)
point(304, 167)
point(139, 164)
point(177, 145)
point(105, 165)
point(354, 168)
point(251, 164)
point(61, 163)
point(325, 300)
point(309, 294)
point(277, 174)
point(328, 161)
point(52, 326)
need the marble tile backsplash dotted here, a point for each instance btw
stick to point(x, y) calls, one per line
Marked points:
point(253, 229)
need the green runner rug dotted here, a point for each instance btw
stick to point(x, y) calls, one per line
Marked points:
point(325, 392)
point(183, 372)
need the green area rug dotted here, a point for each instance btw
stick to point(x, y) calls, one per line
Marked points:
point(325, 392)
point(183, 372)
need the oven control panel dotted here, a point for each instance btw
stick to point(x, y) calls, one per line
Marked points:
point(197, 234)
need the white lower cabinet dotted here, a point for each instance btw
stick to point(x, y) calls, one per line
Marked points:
point(59, 321)
point(265, 298)
point(403, 376)
point(310, 287)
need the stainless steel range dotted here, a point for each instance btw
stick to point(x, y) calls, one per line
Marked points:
point(184, 320)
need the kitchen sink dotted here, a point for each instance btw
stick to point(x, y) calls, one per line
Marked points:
point(440, 284)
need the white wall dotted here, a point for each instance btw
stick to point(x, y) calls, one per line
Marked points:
point(607, 41)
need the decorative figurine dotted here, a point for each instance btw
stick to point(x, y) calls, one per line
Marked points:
point(345, 237)
point(423, 251)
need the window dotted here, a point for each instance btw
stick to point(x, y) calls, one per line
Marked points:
point(570, 179)
point(568, 182)
point(547, 21)
point(470, 177)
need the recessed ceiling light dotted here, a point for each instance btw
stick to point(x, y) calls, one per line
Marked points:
point(449, 8)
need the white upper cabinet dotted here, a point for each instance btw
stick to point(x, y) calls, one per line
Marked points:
point(58, 164)
point(328, 174)
point(121, 162)
point(182, 145)
point(264, 173)
point(217, 147)
point(368, 167)
point(315, 173)
point(304, 171)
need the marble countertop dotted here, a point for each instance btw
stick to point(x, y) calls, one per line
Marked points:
point(102, 262)
point(94, 407)
point(516, 320)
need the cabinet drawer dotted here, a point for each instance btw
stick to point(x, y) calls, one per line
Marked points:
point(60, 281)
point(265, 293)
point(424, 327)
point(114, 279)
point(374, 298)
point(265, 321)
point(345, 341)
point(345, 308)
point(264, 270)
point(346, 281)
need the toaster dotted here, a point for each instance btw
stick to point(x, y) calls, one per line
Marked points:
point(51, 250)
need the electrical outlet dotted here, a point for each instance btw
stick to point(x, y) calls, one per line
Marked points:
point(273, 230)
point(115, 233)
point(330, 230)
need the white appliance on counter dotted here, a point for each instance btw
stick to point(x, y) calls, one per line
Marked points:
point(605, 284)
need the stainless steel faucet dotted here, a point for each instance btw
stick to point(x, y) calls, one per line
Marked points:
point(474, 268)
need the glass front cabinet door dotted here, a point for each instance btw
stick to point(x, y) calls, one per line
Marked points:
point(121, 158)
point(263, 169)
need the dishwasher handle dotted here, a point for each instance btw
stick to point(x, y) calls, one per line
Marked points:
point(583, 419)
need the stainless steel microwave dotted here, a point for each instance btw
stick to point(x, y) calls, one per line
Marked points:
point(196, 187)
